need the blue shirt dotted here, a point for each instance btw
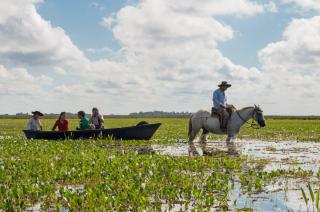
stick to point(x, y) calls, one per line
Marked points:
point(219, 99)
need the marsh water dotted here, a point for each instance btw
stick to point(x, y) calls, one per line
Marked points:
point(282, 195)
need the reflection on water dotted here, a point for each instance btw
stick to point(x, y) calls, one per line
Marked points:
point(282, 155)
point(284, 195)
point(272, 199)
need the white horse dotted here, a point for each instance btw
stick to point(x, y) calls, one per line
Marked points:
point(203, 120)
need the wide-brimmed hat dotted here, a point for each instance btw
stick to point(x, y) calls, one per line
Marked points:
point(224, 83)
point(37, 113)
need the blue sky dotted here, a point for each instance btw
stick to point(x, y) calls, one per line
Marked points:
point(81, 19)
point(141, 55)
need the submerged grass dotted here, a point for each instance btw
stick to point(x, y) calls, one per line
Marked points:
point(104, 179)
point(109, 175)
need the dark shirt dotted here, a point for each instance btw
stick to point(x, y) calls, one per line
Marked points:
point(62, 126)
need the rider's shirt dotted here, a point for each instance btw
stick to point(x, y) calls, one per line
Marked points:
point(219, 99)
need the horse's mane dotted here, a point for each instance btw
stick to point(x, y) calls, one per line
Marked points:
point(245, 108)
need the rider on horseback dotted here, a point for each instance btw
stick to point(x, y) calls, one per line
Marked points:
point(220, 105)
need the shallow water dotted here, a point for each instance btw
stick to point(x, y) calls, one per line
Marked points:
point(281, 155)
point(273, 198)
point(284, 195)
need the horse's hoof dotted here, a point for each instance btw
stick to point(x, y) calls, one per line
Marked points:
point(233, 153)
point(193, 152)
point(203, 142)
point(207, 153)
point(145, 150)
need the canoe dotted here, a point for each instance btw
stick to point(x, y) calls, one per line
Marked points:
point(141, 132)
point(49, 135)
point(85, 134)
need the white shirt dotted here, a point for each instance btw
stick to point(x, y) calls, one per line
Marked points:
point(34, 124)
point(97, 120)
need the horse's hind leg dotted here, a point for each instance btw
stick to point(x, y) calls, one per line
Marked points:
point(203, 143)
point(203, 137)
point(192, 148)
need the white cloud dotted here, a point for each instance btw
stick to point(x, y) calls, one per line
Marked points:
point(169, 53)
point(292, 65)
point(305, 4)
point(19, 82)
point(175, 48)
point(27, 39)
point(59, 71)
point(108, 21)
point(215, 7)
point(299, 50)
point(271, 7)
point(169, 59)
point(97, 6)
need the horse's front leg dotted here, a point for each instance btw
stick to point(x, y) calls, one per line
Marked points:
point(230, 140)
point(231, 144)
point(192, 149)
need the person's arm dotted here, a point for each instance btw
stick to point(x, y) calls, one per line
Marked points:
point(40, 125)
point(66, 125)
point(80, 125)
point(101, 119)
point(28, 127)
point(217, 100)
point(55, 126)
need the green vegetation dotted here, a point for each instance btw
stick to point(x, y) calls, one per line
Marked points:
point(87, 174)
point(314, 196)
point(173, 129)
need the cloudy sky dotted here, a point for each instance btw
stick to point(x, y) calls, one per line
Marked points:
point(140, 55)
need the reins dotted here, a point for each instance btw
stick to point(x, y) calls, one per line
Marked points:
point(252, 125)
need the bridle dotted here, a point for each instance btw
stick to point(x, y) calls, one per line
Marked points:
point(253, 124)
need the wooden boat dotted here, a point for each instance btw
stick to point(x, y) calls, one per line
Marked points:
point(139, 132)
point(48, 135)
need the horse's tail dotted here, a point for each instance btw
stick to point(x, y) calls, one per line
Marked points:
point(190, 126)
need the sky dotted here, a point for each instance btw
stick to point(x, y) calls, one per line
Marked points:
point(127, 56)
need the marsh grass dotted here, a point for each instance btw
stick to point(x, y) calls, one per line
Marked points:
point(110, 175)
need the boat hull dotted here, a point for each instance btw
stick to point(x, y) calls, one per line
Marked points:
point(142, 132)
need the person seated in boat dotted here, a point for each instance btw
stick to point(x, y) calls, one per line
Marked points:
point(84, 123)
point(220, 105)
point(62, 123)
point(97, 119)
point(34, 123)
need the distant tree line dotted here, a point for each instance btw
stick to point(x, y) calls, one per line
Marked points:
point(151, 114)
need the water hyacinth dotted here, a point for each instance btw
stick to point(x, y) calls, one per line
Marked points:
point(108, 175)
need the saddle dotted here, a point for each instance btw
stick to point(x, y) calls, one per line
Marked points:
point(217, 114)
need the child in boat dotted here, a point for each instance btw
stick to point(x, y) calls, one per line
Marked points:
point(34, 123)
point(97, 119)
point(62, 123)
point(84, 123)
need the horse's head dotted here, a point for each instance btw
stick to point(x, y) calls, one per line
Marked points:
point(258, 116)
